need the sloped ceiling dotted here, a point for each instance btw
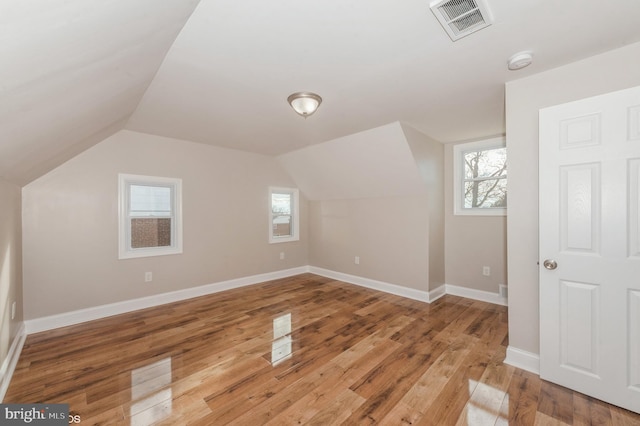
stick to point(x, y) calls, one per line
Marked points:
point(219, 72)
point(73, 71)
point(374, 163)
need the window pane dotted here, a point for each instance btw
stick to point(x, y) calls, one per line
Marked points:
point(150, 211)
point(485, 193)
point(149, 219)
point(485, 163)
point(148, 201)
point(281, 209)
point(281, 203)
point(150, 232)
point(282, 226)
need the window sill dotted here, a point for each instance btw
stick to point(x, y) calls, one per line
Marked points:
point(149, 252)
point(480, 212)
point(283, 240)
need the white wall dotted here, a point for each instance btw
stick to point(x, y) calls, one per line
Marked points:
point(369, 164)
point(473, 242)
point(376, 194)
point(10, 264)
point(608, 72)
point(429, 158)
point(71, 223)
point(389, 234)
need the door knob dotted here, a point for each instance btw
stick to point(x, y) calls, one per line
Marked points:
point(550, 264)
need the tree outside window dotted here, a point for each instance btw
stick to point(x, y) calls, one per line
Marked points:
point(481, 178)
point(485, 178)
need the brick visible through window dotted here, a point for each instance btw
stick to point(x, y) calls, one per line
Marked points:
point(284, 216)
point(150, 216)
point(150, 232)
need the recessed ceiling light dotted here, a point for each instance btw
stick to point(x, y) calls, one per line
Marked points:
point(520, 60)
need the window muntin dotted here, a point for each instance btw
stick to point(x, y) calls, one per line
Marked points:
point(485, 180)
point(281, 209)
point(150, 219)
point(480, 178)
point(283, 215)
point(151, 216)
point(150, 200)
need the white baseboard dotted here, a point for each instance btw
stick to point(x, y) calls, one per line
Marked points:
point(407, 292)
point(470, 293)
point(10, 362)
point(83, 315)
point(421, 295)
point(523, 359)
point(437, 293)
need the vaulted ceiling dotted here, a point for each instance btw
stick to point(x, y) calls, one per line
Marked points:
point(73, 72)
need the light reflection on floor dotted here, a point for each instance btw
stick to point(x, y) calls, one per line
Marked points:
point(282, 342)
point(486, 404)
point(151, 391)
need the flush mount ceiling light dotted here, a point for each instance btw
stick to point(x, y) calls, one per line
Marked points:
point(304, 103)
point(520, 60)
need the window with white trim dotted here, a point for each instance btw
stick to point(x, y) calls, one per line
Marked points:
point(480, 178)
point(284, 223)
point(149, 218)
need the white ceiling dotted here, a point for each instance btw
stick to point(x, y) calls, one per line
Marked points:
point(75, 71)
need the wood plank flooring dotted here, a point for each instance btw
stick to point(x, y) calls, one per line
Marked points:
point(301, 350)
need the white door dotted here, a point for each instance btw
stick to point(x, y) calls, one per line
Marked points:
point(590, 246)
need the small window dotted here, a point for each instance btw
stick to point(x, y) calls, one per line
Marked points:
point(283, 215)
point(149, 217)
point(480, 178)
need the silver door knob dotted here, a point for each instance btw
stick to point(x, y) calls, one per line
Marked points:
point(550, 264)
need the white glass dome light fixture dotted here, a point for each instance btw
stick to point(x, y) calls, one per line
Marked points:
point(304, 103)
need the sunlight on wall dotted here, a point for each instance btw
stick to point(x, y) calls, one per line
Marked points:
point(5, 304)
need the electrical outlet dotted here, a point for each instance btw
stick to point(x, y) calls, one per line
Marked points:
point(281, 255)
point(148, 277)
point(356, 260)
point(13, 310)
point(486, 271)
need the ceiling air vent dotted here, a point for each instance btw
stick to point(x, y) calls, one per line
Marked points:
point(459, 18)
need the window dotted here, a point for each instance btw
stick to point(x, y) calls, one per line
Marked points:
point(149, 216)
point(480, 178)
point(283, 215)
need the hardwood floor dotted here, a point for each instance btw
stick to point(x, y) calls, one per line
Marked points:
point(301, 350)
